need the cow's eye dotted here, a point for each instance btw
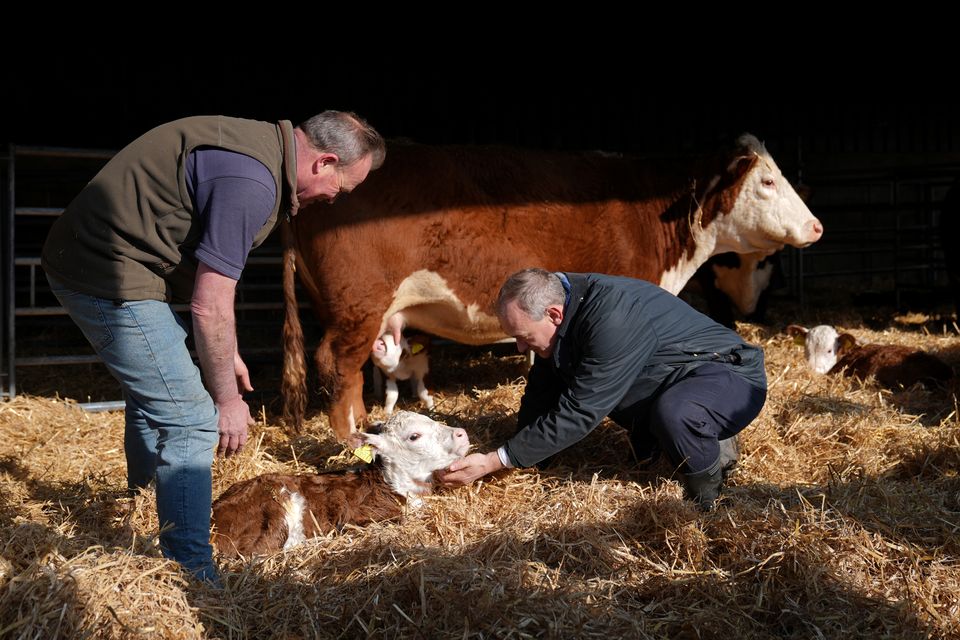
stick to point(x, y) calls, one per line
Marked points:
point(414, 436)
point(767, 182)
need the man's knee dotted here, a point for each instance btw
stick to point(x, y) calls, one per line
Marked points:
point(673, 420)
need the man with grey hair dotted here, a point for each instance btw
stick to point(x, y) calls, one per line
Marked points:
point(172, 217)
point(624, 348)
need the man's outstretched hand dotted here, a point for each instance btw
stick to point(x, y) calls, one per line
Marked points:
point(466, 470)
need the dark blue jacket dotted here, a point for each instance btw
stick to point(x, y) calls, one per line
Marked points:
point(621, 342)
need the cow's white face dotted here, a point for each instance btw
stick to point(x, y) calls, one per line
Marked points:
point(413, 447)
point(767, 213)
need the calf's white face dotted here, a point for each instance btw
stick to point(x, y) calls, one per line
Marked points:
point(821, 345)
point(413, 447)
point(386, 354)
point(821, 348)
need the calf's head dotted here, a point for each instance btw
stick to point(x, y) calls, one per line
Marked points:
point(386, 353)
point(822, 345)
point(411, 447)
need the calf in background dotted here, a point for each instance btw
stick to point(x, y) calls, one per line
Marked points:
point(405, 361)
point(893, 366)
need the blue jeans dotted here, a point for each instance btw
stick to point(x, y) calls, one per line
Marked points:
point(171, 420)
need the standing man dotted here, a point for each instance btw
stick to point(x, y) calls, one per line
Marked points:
point(172, 217)
point(610, 346)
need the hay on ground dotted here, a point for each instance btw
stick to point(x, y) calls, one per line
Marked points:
point(843, 521)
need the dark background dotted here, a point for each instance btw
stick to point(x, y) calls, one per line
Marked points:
point(622, 101)
point(873, 131)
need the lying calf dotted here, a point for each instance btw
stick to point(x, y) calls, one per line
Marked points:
point(404, 361)
point(277, 511)
point(892, 365)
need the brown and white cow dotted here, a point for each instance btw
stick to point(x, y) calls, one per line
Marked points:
point(437, 230)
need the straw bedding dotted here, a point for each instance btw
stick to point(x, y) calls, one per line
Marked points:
point(842, 522)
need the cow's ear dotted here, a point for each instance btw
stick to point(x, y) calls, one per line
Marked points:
point(741, 165)
point(845, 342)
point(798, 333)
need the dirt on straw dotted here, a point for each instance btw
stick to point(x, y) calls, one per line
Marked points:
point(842, 522)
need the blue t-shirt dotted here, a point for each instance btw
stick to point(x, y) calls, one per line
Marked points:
point(233, 195)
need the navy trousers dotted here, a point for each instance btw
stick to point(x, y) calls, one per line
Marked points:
point(688, 419)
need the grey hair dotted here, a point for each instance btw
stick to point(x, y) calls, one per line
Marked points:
point(345, 134)
point(533, 290)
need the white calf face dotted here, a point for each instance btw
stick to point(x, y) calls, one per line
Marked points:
point(415, 446)
point(386, 354)
point(768, 213)
point(821, 348)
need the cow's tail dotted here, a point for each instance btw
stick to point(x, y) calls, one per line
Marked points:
point(294, 387)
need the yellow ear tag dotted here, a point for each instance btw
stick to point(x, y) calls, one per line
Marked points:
point(416, 348)
point(364, 452)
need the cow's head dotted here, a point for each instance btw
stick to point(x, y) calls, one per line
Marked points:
point(766, 212)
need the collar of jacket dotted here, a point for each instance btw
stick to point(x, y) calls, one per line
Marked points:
point(578, 289)
point(289, 165)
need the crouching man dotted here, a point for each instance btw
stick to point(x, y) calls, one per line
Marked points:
point(609, 346)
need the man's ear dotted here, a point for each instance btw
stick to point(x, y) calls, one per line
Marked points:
point(327, 158)
point(555, 313)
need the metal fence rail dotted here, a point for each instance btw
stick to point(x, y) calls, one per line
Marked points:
point(23, 289)
point(881, 224)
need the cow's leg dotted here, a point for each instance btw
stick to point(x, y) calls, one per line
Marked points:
point(346, 406)
point(340, 361)
point(393, 392)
